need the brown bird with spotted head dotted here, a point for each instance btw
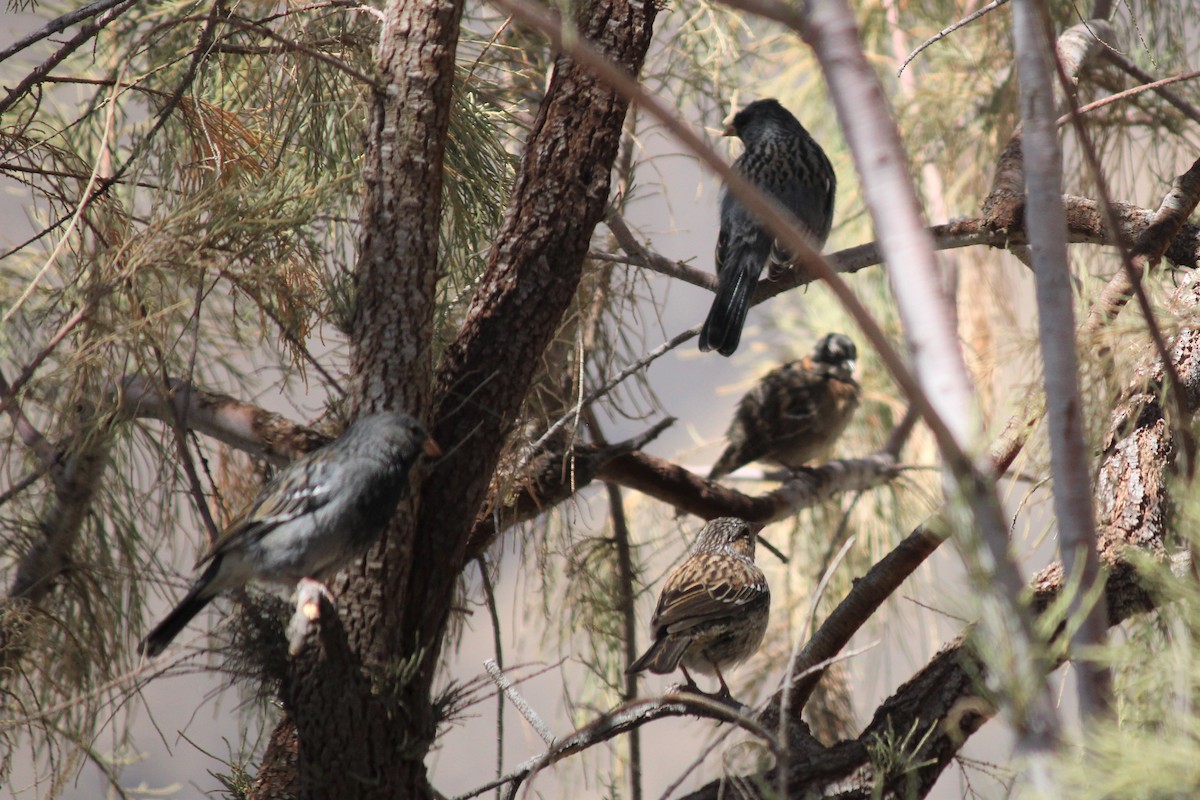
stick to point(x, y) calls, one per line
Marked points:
point(797, 411)
point(713, 610)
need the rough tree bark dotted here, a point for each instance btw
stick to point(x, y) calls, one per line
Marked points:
point(360, 717)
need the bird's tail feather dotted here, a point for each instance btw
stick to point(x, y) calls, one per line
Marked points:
point(723, 328)
point(662, 657)
point(199, 596)
point(725, 464)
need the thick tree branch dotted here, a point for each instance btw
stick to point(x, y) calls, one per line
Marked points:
point(1149, 246)
point(550, 477)
point(559, 196)
point(687, 491)
point(243, 426)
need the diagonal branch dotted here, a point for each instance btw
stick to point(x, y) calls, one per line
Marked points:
point(551, 477)
point(243, 426)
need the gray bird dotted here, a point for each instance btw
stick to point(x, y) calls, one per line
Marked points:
point(714, 608)
point(783, 160)
point(797, 411)
point(312, 518)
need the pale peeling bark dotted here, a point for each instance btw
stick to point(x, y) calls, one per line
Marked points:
point(1047, 229)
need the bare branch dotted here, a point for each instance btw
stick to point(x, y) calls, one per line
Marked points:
point(58, 25)
point(519, 702)
point(692, 494)
point(1069, 455)
point(552, 476)
point(1124, 64)
point(1085, 225)
point(28, 432)
point(1125, 95)
point(75, 484)
point(659, 263)
point(108, 13)
point(622, 720)
point(243, 426)
point(944, 32)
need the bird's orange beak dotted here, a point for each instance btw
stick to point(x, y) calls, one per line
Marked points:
point(729, 130)
point(430, 448)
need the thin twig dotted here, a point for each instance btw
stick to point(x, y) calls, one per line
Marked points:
point(1119, 96)
point(623, 719)
point(489, 596)
point(611, 384)
point(626, 606)
point(1127, 66)
point(521, 704)
point(944, 32)
point(86, 33)
point(58, 25)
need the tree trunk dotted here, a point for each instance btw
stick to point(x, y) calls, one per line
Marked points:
point(359, 711)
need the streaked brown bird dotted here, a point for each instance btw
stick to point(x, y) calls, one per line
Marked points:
point(796, 412)
point(713, 610)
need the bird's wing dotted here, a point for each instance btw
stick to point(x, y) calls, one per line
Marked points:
point(792, 401)
point(706, 588)
point(300, 489)
point(742, 243)
point(783, 404)
point(803, 180)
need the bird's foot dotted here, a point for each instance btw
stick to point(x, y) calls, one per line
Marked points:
point(721, 697)
point(309, 592)
point(308, 609)
point(689, 687)
point(731, 702)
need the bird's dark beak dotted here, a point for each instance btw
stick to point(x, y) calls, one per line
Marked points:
point(430, 448)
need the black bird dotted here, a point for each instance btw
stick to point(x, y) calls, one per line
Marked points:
point(317, 514)
point(783, 160)
point(797, 411)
